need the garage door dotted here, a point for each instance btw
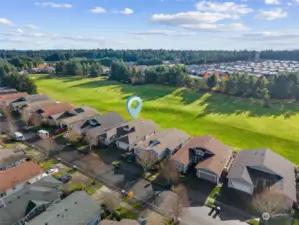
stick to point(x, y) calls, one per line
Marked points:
point(207, 176)
point(122, 145)
point(240, 187)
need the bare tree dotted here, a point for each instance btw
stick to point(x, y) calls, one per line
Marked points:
point(9, 118)
point(91, 141)
point(146, 159)
point(26, 117)
point(48, 145)
point(271, 202)
point(73, 136)
point(36, 120)
point(169, 172)
point(110, 199)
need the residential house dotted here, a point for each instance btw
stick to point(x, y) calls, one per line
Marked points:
point(11, 157)
point(6, 91)
point(48, 110)
point(16, 104)
point(209, 155)
point(18, 177)
point(23, 205)
point(77, 114)
point(47, 70)
point(95, 126)
point(133, 132)
point(163, 143)
point(122, 222)
point(6, 99)
point(76, 209)
point(262, 169)
point(34, 106)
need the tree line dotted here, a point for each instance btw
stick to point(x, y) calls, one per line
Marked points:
point(283, 86)
point(143, 56)
point(10, 77)
point(75, 68)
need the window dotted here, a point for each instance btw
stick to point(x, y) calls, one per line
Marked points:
point(2, 194)
point(14, 188)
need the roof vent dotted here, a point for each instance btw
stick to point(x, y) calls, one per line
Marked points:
point(75, 203)
point(58, 215)
point(18, 197)
point(65, 210)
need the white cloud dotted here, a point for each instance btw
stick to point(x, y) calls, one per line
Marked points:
point(272, 2)
point(137, 37)
point(289, 3)
point(162, 32)
point(127, 11)
point(32, 27)
point(216, 27)
point(269, 36)
point(184, 18)
point(271, 14)
point(231, 8)
point(98, 10)
point(13, 40)
point(53, 5)
point(19, 31)
point(5, 21)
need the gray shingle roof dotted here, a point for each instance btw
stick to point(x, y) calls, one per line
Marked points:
point(8, 156)
point(76, 209)
point(280, 171)
point(16, 204)
point(136, 130)
point(29, 99)
point(168, 139)
point(106, 121)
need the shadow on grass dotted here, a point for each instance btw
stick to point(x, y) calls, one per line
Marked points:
point(145, 92)
point(225, 105)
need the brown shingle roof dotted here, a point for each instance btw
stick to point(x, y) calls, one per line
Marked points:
point(80, 116)
point(54, 109)
point(12, 96)
point(18, 174)
point(32, 107)
point(216, 163)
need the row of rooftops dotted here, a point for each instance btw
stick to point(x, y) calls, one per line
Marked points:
point(253, 68)
point(159, 140)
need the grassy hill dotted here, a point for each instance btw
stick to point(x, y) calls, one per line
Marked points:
point(240, 123)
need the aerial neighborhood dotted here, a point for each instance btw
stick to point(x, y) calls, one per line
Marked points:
point(23, 182)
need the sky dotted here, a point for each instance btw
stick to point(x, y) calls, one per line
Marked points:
point(144, 24)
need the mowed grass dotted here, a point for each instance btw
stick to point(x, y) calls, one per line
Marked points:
point(240, 123)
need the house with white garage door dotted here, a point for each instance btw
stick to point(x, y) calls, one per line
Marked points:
point(209, 156)
point(163, 142)
point(134, 131)
point(256, 170)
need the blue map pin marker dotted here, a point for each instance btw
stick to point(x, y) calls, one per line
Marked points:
point(134, 111)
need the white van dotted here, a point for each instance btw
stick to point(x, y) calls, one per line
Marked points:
point(18, 136)
point(43, 134)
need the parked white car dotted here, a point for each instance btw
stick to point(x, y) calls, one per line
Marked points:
point(50, 172)
point(43, 134)
point(18, 136)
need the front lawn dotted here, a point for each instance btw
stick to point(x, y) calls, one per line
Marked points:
point(240, 123)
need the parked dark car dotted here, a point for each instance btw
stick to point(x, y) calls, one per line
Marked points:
point(66, 178)
point(60, 130)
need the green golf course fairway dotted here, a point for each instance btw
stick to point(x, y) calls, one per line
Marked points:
point(240, 123)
